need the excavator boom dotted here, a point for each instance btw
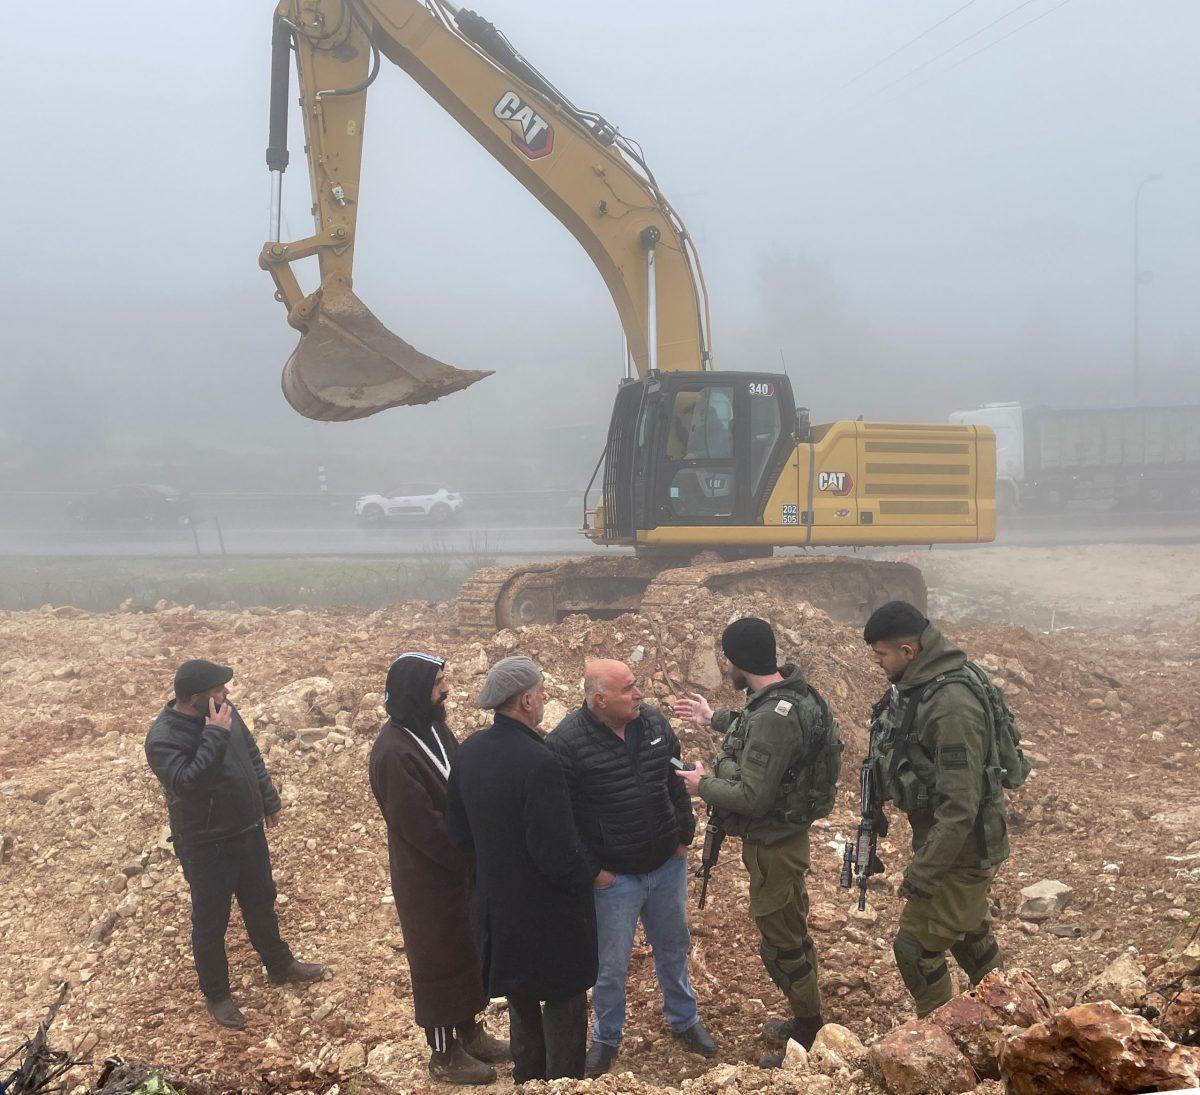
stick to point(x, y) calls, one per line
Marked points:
point(721, 463)
point(579, 166)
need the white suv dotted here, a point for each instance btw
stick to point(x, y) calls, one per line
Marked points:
point(413, 500)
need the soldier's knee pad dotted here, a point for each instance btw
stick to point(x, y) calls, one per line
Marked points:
point(978, 954)
point(924, 973)
point(790, 966)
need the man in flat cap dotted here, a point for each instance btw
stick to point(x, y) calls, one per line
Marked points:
point(775, 775)
point(431, 877)
point(535, 918)
point(219, 797)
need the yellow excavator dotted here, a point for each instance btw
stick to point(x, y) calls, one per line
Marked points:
point(705, 472)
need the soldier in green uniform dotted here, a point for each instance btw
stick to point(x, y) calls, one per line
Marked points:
point(934, 754)
point(776, 774)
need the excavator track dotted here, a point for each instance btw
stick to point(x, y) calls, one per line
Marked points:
point(847, 588)
point(539, 593)
point(480, 595)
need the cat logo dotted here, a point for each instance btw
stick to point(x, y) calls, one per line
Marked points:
point(531, 133)
point(835, 482)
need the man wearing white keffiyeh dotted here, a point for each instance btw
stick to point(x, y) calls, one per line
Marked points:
point(431, 878)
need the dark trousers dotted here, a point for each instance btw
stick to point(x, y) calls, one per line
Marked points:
point(548, 1040)
point(439, 1038)
point(216, 873)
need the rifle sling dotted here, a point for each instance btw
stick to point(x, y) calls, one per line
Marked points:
point(900, 739)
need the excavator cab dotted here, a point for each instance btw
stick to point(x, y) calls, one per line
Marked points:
point(694, 448)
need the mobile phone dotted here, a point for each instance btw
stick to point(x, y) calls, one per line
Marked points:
point(679, 765)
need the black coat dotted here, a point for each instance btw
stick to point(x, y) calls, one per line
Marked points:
point(632, 813)
point(215, 781)
point(535, 916)
point(431, 878)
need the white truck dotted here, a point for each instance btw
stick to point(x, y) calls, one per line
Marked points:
point(1132, 456)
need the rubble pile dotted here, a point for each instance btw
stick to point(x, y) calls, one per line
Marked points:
point(95, 896)
point(1100, 1049)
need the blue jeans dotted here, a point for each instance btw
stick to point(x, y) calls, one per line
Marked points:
point(659, 900)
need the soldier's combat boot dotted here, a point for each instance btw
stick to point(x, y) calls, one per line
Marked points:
point(978, 955)
point(456, 1066)
point(924, 973)
point(782, 1031)
point(483, 1047)
point(777, 1031)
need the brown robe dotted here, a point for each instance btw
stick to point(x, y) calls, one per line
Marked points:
point(431, 879)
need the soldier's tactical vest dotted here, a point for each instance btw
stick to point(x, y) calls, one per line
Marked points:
point(904, 773)
point(809, 787)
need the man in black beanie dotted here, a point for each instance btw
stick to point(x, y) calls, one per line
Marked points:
point(431, 878)
point(219, 797)
point(943, 748)
point(775, 775)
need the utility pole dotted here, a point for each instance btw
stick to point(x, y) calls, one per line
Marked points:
point(1140, 277)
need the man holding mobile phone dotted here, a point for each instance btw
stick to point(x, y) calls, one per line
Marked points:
point(219, 797)
point(636, 822)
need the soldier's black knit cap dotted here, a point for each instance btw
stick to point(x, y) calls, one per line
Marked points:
point(749, 644)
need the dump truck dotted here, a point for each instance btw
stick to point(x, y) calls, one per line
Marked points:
point(1124, 456)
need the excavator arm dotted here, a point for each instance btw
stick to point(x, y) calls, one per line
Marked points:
point(582, 169)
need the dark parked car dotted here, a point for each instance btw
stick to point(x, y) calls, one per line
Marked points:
point(139, 503)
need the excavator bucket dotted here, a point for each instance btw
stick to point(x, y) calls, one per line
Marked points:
point(349, 365)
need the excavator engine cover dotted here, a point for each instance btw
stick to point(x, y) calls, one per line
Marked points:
point(349, 365)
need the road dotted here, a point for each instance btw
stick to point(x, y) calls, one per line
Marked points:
point(306, 528)
point(493, 541)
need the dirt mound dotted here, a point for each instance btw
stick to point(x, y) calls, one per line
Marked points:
point(96, 897)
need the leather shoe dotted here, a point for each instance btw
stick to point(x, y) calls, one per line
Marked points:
point(483, 1047)
point(599, 1059)
point(227, 1013)
point(697, 1040)
point(298, 972)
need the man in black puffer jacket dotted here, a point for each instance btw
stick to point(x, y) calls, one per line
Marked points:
point(636, 822)
point(219, 796)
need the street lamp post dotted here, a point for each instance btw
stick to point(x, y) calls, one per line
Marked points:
point(1140, 277)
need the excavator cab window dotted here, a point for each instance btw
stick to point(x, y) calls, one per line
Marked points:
point(765, 427)
point(695, 449)
point(719, 439)
point(703, 477)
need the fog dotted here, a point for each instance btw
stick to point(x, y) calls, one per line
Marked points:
point(948, 227)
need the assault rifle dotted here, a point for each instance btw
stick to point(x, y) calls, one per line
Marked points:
point(859, 860)
point(714, 837)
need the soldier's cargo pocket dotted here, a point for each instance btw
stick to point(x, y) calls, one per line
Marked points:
point(775, 873)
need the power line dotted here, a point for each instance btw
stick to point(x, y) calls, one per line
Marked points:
point(899, 49)
point(1015, 30)
point(994, 42)
point(946, 52)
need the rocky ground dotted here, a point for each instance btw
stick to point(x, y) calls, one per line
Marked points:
point(1110, 716)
